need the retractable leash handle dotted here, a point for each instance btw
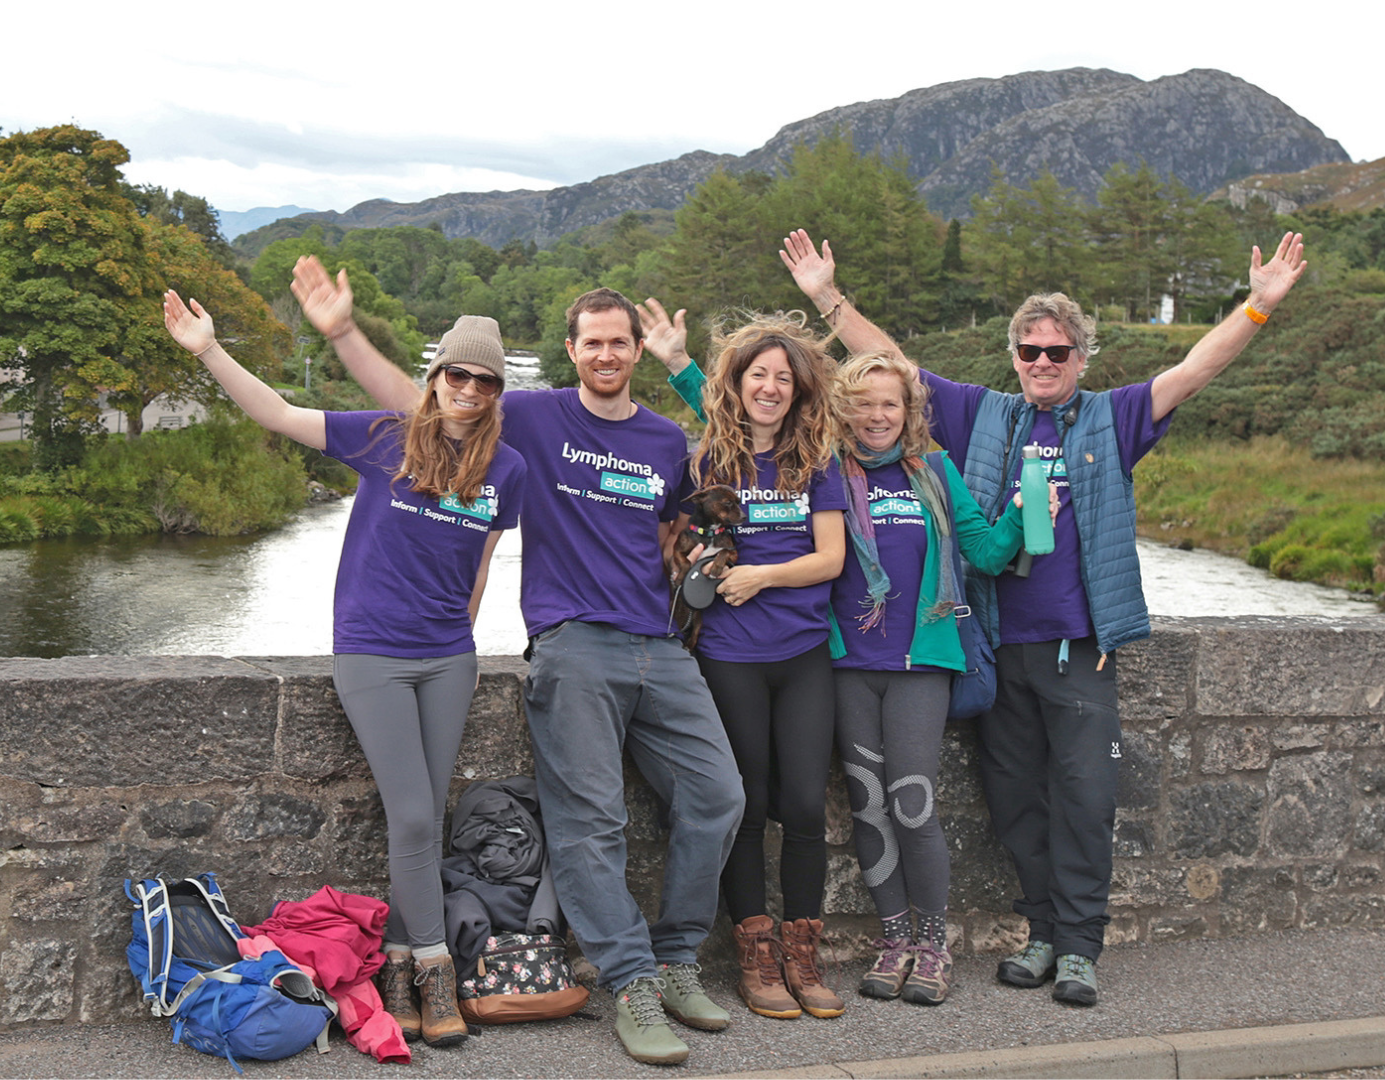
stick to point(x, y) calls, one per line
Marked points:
point(699, 590)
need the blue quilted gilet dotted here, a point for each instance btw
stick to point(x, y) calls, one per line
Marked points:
point(1103, 500)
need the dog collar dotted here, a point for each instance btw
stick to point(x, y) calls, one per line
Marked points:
point(707, 531)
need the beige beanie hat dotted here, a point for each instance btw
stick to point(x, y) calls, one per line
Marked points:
point(473, 339)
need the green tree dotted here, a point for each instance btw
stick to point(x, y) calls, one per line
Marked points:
point(1129, 226)
point(72, 259)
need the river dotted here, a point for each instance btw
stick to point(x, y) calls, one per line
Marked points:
point(272, 595)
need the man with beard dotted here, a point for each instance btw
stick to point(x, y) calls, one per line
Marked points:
point(607, 477)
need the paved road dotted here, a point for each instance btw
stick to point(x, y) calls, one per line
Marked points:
point(1265, 1005)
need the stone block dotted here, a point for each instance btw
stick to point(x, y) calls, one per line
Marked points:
point(358, 838)
point(63, 816)
point(1320, 877)
point(1300, 737)
point(1273, 667)
point(1141, 886)
point(1180, 755)
point(1139, 784)
point(1354, 733)
point(1334, 909)
point(1255, 899)
point(959, 771)
point(983, 878)
point(94, 721)
point(845, 893)
point(1177, 928)
point(1134, 837)
point(268, 815)
point(1369, 833)
point(178, 818)
point(1309, 804)
point(1235, 748)
point(1123, 930)
point(497, 744)
point(315, 740)
point(1156, 676)
point(37, 977)
point(1360, 876)
point(42, 899)
point(1004, 934)
point(1215, 818)
point(1370, 779)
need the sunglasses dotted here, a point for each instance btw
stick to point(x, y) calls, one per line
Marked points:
point(1056, 353)
point(486, 383)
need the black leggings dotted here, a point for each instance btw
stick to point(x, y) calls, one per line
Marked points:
point(778, 717)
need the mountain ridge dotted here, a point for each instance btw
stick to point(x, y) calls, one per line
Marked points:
point(1205, 126)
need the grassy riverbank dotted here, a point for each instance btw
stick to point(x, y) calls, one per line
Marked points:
point(1268, 501)
point(223, 477)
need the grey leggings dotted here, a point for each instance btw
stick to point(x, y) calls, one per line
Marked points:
point(408, 715)
point(889, 734)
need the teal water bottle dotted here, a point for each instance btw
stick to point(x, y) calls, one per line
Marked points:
point(1038, 524)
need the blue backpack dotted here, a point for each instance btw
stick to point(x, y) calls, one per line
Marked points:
point(184, 955)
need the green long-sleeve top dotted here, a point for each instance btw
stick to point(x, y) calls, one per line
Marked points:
point(987, 547)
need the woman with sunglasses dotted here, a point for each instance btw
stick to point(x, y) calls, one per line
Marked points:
point(437, 488)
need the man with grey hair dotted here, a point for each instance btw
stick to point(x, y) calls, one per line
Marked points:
point(1051, 745)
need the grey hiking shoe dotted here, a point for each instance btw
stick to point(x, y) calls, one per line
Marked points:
point(1075, 983)
point(886, 978)
point(1030, 967)
point(931, 978)
point(686, 1001)
point(643, 1028)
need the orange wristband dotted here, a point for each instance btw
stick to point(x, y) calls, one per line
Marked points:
point(1253, 315)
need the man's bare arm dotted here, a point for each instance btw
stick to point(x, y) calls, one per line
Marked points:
point(1269, 284)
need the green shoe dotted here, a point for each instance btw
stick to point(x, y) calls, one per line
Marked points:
point(686, 1001)
point(642, 1027)
point(1075, 983)
point(1030, 967)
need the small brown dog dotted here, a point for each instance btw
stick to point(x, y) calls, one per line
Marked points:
point(715, 510)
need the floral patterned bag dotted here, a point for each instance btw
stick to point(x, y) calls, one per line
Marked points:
point(520, 977)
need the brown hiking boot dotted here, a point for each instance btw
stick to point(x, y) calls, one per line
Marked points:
point(762, 980)
point(803, 969)
point(395, 981)
point(442, 1023)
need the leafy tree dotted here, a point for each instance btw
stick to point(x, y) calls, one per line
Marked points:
point(72, 259)
point(180, 208)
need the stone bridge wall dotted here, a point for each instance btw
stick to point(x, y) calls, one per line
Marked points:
point(1252, 799)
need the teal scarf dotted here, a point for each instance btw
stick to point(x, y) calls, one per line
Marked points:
point(929, 491)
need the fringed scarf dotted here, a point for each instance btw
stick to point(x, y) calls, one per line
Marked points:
point(929, 491)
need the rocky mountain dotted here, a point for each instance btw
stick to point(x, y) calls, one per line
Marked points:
point(1346, 187)
point(1206, 127)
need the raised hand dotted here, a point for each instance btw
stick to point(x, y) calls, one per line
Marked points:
point(326, 303)
point(1271, 282)
point(666, 338)
point(193, 330)
point(814, 273)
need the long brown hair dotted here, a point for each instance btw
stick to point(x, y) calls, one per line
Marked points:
point(439, 465)
point(726, 454)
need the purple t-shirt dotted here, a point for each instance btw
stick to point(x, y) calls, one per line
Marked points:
point(598, 490)
point(1051, 603)
point(409, 561)
point(776, 623)
point(901, 537)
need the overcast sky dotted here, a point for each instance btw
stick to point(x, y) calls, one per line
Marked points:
point(274, 104)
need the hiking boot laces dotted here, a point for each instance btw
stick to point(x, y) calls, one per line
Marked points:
point(892, 955)
point(642, 997)
point(684, 978)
